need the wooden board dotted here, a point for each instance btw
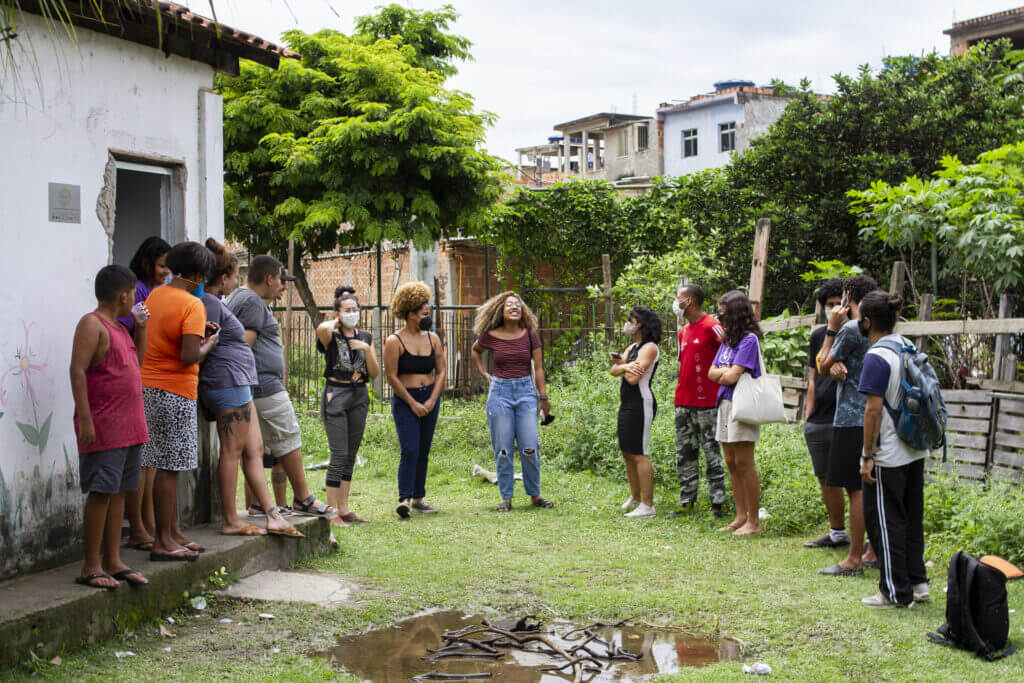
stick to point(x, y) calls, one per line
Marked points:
point(967, 441)
point(964, 455)
point(1009, 405)
point(1006, 474)
point(939, 328)
point(789, 323)
point(1007, 458)
point(966, 396)
point(1010, 440)
point(965, 426)
point(976, 410)
point(1006, 422)
point(964, 471)
point(792, 382)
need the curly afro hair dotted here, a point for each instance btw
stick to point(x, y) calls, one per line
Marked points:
point(737, 317)
point(409, 298)
point(650, 322)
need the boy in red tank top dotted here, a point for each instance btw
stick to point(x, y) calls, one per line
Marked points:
point(110, 422)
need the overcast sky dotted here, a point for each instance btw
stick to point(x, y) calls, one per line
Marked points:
point(538, 63)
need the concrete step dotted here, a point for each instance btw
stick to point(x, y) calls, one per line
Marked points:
point(50, 608)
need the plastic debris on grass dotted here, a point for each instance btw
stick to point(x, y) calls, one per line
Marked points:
point(266, 616)
point(121, 654)
point(225, 620)
point(166, 632)
point(199, 602)
point(757, 668)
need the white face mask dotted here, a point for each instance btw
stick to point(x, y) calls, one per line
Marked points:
point(629, 328)
point(169, 279)
point(828, 311)
point(676, 308)
point(350, 319)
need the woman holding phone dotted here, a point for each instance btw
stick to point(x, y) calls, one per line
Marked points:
point(507, 328)
point(636, 366)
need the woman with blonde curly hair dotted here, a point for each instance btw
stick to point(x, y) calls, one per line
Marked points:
point(416, 370)
point(507, 328)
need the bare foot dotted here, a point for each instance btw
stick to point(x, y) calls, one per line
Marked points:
point(99, 581)
point(186, 542)
point(239, 529)
point(173, 549)
point(748, 529)
point(734, 524)
point(849, 564)
point(337, 521)
point(131, 576)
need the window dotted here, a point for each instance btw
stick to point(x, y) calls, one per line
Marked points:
point(727, 136)
point(641, 137)
point(690, 142)
point(623, 139)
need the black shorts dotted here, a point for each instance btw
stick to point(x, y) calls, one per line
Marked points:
point(819, 440)
point(635, 419)
point(113, 471)
point(844, 458)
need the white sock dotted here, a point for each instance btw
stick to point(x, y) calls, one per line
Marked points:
point(837, 535)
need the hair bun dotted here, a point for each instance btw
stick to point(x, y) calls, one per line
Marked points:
point(214, 246)
point(343, 289)
point(895, 302)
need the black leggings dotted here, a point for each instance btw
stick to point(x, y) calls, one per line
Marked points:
point(343, 409)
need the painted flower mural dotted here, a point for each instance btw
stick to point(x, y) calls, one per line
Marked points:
point(24, 382)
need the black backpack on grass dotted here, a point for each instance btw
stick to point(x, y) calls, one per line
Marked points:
point(977, 616)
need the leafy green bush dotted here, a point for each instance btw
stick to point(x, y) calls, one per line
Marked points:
point(789, 491)
point(974, 518)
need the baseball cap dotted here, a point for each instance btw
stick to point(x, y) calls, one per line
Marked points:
point(285, 277)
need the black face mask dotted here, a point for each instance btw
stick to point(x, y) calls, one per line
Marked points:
point(865, 331)
point(426, 324)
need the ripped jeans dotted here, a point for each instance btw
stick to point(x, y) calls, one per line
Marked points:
point(512, 419)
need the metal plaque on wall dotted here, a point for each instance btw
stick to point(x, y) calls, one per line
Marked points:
point(65, 203)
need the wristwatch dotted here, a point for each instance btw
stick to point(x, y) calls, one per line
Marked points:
point(831, 333)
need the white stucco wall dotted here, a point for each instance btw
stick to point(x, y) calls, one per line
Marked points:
point(705, 119)
point(70, 110)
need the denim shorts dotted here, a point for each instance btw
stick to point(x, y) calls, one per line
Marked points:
point(226, 398)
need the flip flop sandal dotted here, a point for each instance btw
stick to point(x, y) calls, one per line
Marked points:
point(352, 517)
point(504, 507)
point(311, 507)
point(255, 511)
point(195, 547)
point(836, 570)
point(173, 556)
point(247, 530)
point(543, 503)
point(144, 546)
point(88, 581)
point(125, 573)
point(290, 532)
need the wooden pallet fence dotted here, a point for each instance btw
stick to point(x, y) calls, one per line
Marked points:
point(967, 434)
point(1007, 452)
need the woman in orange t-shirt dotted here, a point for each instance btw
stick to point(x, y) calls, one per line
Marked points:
point(178, 339)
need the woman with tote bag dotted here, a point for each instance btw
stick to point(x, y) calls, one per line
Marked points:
point(739, 354)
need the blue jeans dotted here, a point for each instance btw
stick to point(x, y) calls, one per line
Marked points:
point(512, 419)
point(414, 436)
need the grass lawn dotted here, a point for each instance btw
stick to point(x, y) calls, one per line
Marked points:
point(581, 560)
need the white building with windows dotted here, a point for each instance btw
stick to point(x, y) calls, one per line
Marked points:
point(107, 142)
point(704, 131)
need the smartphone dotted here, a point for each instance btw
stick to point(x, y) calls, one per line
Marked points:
point(546, 419)
point(615, 356)
point(846, 299)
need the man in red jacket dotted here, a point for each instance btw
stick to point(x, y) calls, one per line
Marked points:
point(695, 401)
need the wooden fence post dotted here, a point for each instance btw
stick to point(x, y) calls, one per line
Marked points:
point(899, 278)
point(758, 265)
point(924, 312)
point(606, 272)
point(376, 320)
point(289, 326)
point(1000, 369)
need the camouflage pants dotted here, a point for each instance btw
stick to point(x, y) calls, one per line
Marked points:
point(695, 427)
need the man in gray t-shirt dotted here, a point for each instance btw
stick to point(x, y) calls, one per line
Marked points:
point(256, 316)
point(278, 424)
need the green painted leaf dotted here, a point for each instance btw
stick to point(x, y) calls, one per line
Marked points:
point(44, 433)
point(29, 432)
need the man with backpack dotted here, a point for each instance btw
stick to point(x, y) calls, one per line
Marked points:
point(901, 419)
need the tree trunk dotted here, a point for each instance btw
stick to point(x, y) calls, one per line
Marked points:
point(305, 293)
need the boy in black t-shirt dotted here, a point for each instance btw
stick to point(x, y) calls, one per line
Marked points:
point(821, 408)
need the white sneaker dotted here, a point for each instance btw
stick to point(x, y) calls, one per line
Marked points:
point(630, 503)
point(879, 601)
point(642, 511)
point(921, 593)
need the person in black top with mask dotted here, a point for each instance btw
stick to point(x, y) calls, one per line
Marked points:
point(350, 363)
point(821, 410)
point(416, 369)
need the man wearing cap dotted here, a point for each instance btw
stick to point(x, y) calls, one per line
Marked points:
point(278, 424)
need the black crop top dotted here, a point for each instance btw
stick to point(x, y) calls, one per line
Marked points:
point(408, 364)
point(343, 363)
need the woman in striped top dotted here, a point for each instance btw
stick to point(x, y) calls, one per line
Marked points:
point(636, 366)
point(508, 329)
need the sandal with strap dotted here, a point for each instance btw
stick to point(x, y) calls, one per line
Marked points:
point(543, 503)
point(247, 530)
point(312, 507)
point(126, 574)
point(506, 506)
point(89, 581)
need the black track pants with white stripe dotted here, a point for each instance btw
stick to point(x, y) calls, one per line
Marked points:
point(894, 513)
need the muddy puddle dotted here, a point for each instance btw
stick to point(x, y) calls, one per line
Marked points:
point(397, 653)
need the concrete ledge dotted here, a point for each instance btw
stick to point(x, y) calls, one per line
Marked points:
point(50, 608)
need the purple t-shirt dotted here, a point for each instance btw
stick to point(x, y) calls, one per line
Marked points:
point(142, 291)
point(230, 363)
point(745, 354)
